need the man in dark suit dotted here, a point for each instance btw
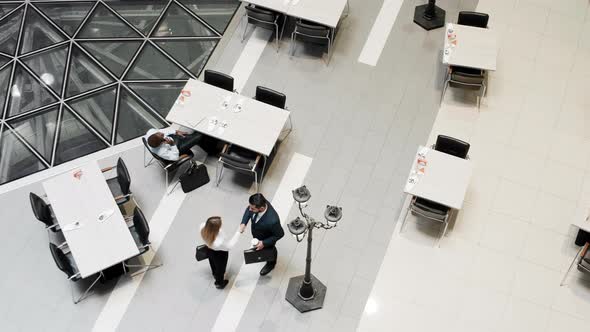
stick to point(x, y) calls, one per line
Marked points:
point(266, 226)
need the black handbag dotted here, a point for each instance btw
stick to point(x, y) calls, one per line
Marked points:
point(259, 256)
point(194, 177)
point(202, 252)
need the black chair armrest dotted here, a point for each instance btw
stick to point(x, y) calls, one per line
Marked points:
point(183, 158)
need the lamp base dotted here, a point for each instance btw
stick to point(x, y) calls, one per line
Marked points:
point(429, 21)
point(292, 295)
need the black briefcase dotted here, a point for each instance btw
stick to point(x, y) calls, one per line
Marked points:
point(259, 256)
point(194, 177)
point(202, 252)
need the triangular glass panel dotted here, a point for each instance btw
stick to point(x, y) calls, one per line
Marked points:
point(4, 81)
point(98, 110)
point(84, 74)
point(5, 9)
point(75, 139)
point(104, 24)
point(178, 23)
point(3, 60)
point(50, 66)
point(216, 13)
point(26, 93)
point(151, 64)
point(142, 14)
point(160, 96)
point(67, 16)
point(9, 29)
point(39, 130)
point(113, 55)
point(16, 160)
point(134, 119)
point(193, 54)
point(38, 33)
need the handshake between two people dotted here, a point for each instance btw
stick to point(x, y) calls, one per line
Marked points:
point(255, 242)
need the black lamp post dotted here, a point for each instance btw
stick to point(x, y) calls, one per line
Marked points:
point(429, 16)
point(306, 292)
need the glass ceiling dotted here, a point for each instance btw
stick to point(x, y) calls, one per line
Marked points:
point(80, 76)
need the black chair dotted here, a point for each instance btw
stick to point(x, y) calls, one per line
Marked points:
point(311, 33)
point(582, 260)
point(266, 19)
point(452, 146)
point(474, 19)
point(429, 210)
point(167, 165)
point(141, 233)
point(240, 160)
point(219, 80)
point(66, 264)
point(120, 184)
point(467, 78)
point(43, 213)
point(276, 99)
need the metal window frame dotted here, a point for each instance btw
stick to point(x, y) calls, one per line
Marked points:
point(73, 41)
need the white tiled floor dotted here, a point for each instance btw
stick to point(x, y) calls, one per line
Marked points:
point(500, 266)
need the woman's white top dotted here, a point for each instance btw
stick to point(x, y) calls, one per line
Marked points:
point(220, 242)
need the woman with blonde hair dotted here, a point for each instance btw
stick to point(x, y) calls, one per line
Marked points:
point(215, 238)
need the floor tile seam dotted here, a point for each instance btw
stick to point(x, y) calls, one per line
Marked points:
point(278, 288)
point(348, 291)
point(542, 228)
point(569, 314)
point(521, 257)
point(517, 297)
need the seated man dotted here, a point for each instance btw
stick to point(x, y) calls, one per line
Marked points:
point(170, 144)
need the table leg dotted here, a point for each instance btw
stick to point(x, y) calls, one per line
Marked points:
point(570, 268)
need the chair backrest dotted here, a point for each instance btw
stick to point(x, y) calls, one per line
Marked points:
point(474, 19)
point(62, 262)
point(141, 226)
point(312, 30)
point(220, 80)
point(260, 15)
point(270, 97)
point(452, 146)
point(123, 177)
point(430, 206)
point(40, 209)
point(467, 79)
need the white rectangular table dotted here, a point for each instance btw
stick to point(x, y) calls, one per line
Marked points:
point(443, 179)
point(95, 245)
point(474, 47)
point(281, 6)
point(256, 127)
point(325, 12)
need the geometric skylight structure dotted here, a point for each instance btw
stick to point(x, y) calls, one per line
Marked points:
point(80, 76)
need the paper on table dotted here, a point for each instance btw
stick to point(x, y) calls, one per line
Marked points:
point(212, 123)
point(105, 215)
point(450, 44)
point(238, 106)
point(412, 180)
point(225, 103)
point(423, 151)
point(72, 226)
point(221, 127)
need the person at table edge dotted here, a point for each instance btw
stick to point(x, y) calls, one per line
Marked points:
point(171, 144)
